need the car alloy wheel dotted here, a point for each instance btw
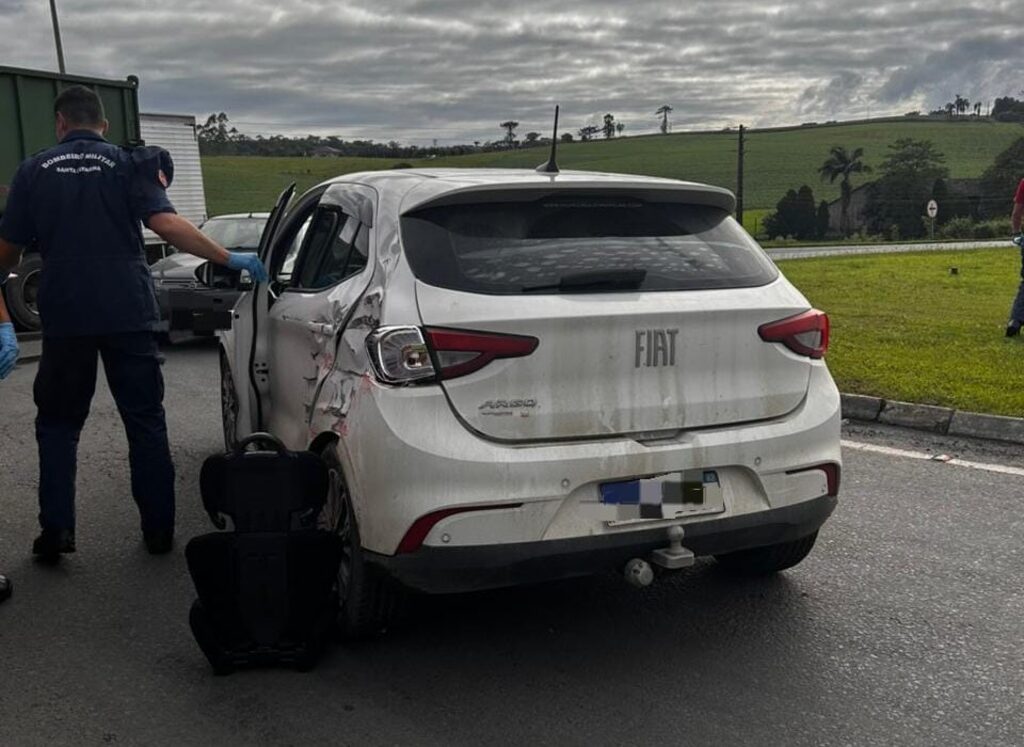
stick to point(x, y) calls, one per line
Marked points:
point(228, 405)
point(336, 517)
point(367, 602)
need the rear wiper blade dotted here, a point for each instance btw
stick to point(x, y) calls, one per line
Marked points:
point(593, 280)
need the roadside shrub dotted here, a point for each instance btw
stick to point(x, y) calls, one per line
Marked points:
point(1000, 226)
point(963, 227)
point(957, 228)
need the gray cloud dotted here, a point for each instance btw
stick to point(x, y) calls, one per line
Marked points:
point(416, 70)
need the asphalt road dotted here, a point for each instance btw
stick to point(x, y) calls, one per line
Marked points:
point(904, 626)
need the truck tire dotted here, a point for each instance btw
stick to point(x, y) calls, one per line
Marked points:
point(23, 294)
point(763, 561)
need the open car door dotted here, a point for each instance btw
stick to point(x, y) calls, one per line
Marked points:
point(243, 344)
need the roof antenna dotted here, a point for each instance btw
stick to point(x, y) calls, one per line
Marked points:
point(549, 166)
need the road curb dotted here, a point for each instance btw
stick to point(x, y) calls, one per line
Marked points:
point(944, 420)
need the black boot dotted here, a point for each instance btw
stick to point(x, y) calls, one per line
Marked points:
point(5, 588)
point(52, 543)
point(159, 542)
point(1013, 327)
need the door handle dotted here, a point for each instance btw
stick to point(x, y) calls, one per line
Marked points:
point(320, 328)
point(327, 330)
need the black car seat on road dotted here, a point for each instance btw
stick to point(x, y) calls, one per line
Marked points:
point(266, 587)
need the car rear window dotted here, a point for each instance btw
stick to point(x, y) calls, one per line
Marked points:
point(566, 244)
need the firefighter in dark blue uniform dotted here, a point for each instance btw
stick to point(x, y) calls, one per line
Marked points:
point(8, 357)
point(84, 201)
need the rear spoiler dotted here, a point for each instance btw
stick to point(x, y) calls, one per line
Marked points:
point(681, 192)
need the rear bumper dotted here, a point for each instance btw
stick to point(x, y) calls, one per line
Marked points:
point(195, 310)
point(444, 570)
point(406, 456)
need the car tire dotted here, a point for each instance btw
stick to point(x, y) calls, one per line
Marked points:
point(368, 602)
point(22, 294)
point(228, 405)
point(763, 561)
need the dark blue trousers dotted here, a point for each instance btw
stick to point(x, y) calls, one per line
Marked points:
point(64, 386)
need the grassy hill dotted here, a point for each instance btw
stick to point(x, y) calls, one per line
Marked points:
point(777, 159)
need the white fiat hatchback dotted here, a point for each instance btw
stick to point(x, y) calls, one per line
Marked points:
point(516, 376)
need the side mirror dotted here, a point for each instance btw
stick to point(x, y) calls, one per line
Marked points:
point(204, 274)
point(217, 277)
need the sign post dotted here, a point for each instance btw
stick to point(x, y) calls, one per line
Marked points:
point(933, 210)
point(56, 36)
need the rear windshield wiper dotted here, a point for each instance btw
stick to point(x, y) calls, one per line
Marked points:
point(593, 280)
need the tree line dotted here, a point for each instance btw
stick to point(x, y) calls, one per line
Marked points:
point(912, 173)
point(217, 137)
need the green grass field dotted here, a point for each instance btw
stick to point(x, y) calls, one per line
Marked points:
point(776, 160)
point(904, 328)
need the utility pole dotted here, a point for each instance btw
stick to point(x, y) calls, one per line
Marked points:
point(739, 178)
point(56, 36)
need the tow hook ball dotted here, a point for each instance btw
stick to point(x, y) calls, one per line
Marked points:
point(675, 556)
point(639, 573)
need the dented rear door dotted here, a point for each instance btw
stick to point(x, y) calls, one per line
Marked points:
point(305, 321)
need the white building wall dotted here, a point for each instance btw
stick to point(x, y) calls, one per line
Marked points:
point(177, 134)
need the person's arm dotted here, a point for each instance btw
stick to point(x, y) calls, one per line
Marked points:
point(17, 227)
point(10, 257)
point(1017, 216)
point(181, 234)
point(8, 341)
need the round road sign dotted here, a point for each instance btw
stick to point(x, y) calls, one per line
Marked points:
point(933, 208)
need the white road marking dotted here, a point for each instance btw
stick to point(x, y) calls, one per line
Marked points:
point(906, 454)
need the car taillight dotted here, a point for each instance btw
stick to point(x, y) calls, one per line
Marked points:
point(420, 528)
point(399, 355)
point(832, 475)
point(804, 334)
point(408, 355)
point(460, 352)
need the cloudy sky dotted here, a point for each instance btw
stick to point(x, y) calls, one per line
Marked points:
point(451, 70)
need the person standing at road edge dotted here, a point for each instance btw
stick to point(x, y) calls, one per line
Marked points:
point(84, 202)
point(1016, 218)
point(8, 357)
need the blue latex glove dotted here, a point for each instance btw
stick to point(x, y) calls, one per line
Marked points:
point(8, 349)
point(249, 262)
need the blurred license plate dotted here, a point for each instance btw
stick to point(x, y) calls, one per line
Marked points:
point(662, 497)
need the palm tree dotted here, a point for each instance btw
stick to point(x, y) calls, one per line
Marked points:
point(840, 164)
point(663, 112)
point(510, 137)
point(609, 126)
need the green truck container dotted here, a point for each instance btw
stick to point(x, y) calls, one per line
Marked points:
point(27, 126)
